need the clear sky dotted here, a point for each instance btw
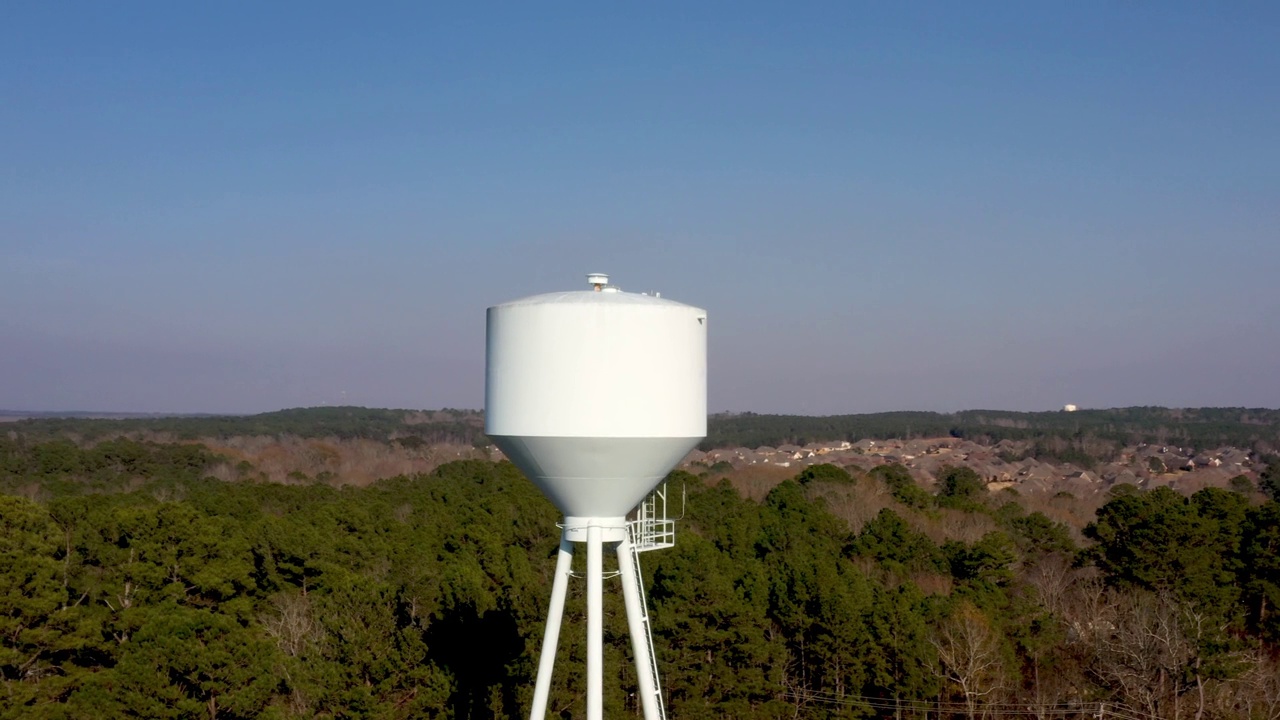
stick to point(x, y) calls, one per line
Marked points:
point(240, 207)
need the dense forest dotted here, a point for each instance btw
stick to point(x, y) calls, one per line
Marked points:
point(132, 585)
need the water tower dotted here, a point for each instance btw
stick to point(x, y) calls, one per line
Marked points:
point(596, 395)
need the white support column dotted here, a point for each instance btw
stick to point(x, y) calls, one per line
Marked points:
point(595, 623)
point(551, 637)
point(639, 634)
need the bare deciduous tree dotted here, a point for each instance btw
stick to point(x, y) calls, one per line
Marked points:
point(291, 624)
point(970, 653)
point(1051, 577)
point(1140, 650)
point(1259, 687)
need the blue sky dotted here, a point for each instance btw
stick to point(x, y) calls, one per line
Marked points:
point(250, 206)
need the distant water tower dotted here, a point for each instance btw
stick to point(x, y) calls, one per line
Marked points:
point(596, 395)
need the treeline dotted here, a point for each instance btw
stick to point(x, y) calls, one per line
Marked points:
point(1082, 437)
point(424, 596)
point(345, 422)
point(1097, 432)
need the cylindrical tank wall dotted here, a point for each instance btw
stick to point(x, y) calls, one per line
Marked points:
point(596, 365)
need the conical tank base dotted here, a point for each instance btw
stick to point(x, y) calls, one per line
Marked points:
point(595, 476)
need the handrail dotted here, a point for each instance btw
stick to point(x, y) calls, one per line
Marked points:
point(648, 632)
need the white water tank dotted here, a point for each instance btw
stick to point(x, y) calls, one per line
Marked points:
point(596, 395)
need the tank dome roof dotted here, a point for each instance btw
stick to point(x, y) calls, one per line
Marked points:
point(591, 296)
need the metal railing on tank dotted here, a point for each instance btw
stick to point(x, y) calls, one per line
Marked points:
point(653, 527)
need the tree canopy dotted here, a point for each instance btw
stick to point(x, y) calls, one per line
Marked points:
point(133, 586)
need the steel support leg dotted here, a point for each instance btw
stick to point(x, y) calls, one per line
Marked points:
point(551, 638)
point(640, 639)
point(595, 624)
